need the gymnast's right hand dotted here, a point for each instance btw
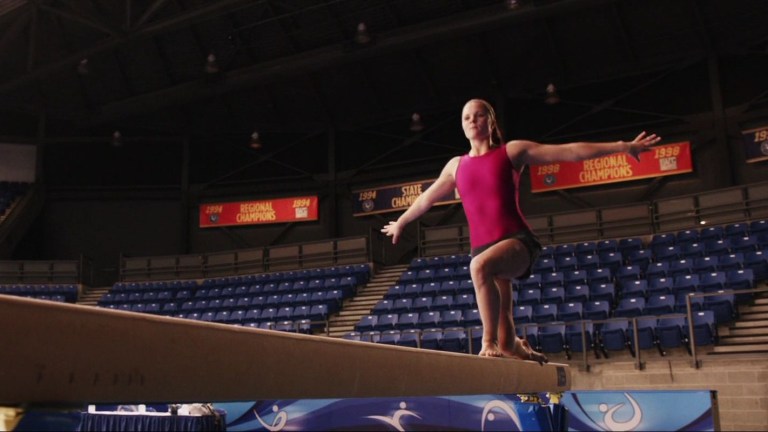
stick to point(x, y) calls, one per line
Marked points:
point(393, 229)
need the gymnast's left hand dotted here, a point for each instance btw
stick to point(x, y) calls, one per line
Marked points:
point(641, 143)
point(393, 229)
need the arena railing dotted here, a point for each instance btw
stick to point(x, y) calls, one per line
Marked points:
point(326, 253)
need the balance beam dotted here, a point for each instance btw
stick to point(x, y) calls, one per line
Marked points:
point(65, 353)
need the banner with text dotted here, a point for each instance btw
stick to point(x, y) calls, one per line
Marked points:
point(756, 144)
point(394, 198)
point(278, 210)
point(662, 160)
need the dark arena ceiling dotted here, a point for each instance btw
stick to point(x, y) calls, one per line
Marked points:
point(187, 82)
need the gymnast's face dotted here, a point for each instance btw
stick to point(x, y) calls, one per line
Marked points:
point(475, 120)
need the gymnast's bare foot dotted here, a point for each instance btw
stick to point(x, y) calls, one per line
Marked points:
point(522, 351)
point(490, 349)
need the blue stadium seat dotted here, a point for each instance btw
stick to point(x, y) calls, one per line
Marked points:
point(421, 304)
point(553, 279)
point(522, 314)
point(431, 338)
point(442, 302)
point(566, 249)
point(660, 285)
point(611, 260)
point(629, 307)
point(757, 261)
point(577, 293)
point(472, 317)
point(568, 312)
point(758, 226)
point(466, 286)
point(686, 237)
point(712, 281)
point(532, 281)
point(449, 287)
point(412, 290)
point(630, 244)
point(646, 333)
point(454, 340)
point(628, 273)
point(659, 304)
point(585, 248)
point(366, 323)
point(429, 319)
point(704, 328)
point(566, 262)
point(444, 273)
point(599, 275)
point(451, 318)
point(657, 269)
point(424, 275)
point(576, 335)
point(685, 283)
point(667, 253)
point(717, 247)
point(544, 265)
point(284, 313)
point(408, 320)
point(602, 291)
point(669, 332)
point(575, 277)
point(464, 301)
point(389, 337)
point(554, 294)
point(697, 303)
point(587, 262)
point(318, 312)
point(734, 261)
point(740, 279)
point(408, 276)
point(722, 305)
point(395, 291)
point(634, 288)
point(692, 250)
point(610, 245)
point(711, 233)
point(737, 230)
point(431, 289)
point(543, 313)
point(705, 264)
point(370, 336)
point(551, 338)
point(597, 310)
point(529, 296)
point(744, 244)
point(679, 267)
point(401, 305)
point(352, 336)
point(547, 251)
point(386, 322)
point(614, 333)
point(409, 338)
point(640, 257)
point(662, 240)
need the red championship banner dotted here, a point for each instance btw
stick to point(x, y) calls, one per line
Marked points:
point(662, 160)
point(279, 210)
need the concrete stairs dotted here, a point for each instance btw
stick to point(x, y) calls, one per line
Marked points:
point(91, 296)
point(367, 297)
point(749, 333)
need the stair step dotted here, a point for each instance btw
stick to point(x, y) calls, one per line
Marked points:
point(748, 331)
point(748, 324)
point(755, 309)
point(746, 339)
point(747, 348)
point(754, 316)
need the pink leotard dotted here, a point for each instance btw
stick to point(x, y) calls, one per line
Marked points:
point(488, 186)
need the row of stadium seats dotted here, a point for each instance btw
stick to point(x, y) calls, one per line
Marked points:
point(54, 292)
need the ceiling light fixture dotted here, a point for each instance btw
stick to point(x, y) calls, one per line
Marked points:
point(255, 143)
point(552, 97)
point(417, 125)
point(362, 37)
point(211, 65)
point(117, 139)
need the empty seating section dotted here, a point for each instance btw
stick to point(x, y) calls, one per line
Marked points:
point(602, 287)
point(10, 192)
point(296, 301)
point(67, 293)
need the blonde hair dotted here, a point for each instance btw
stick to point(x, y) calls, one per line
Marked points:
point(497, 138)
